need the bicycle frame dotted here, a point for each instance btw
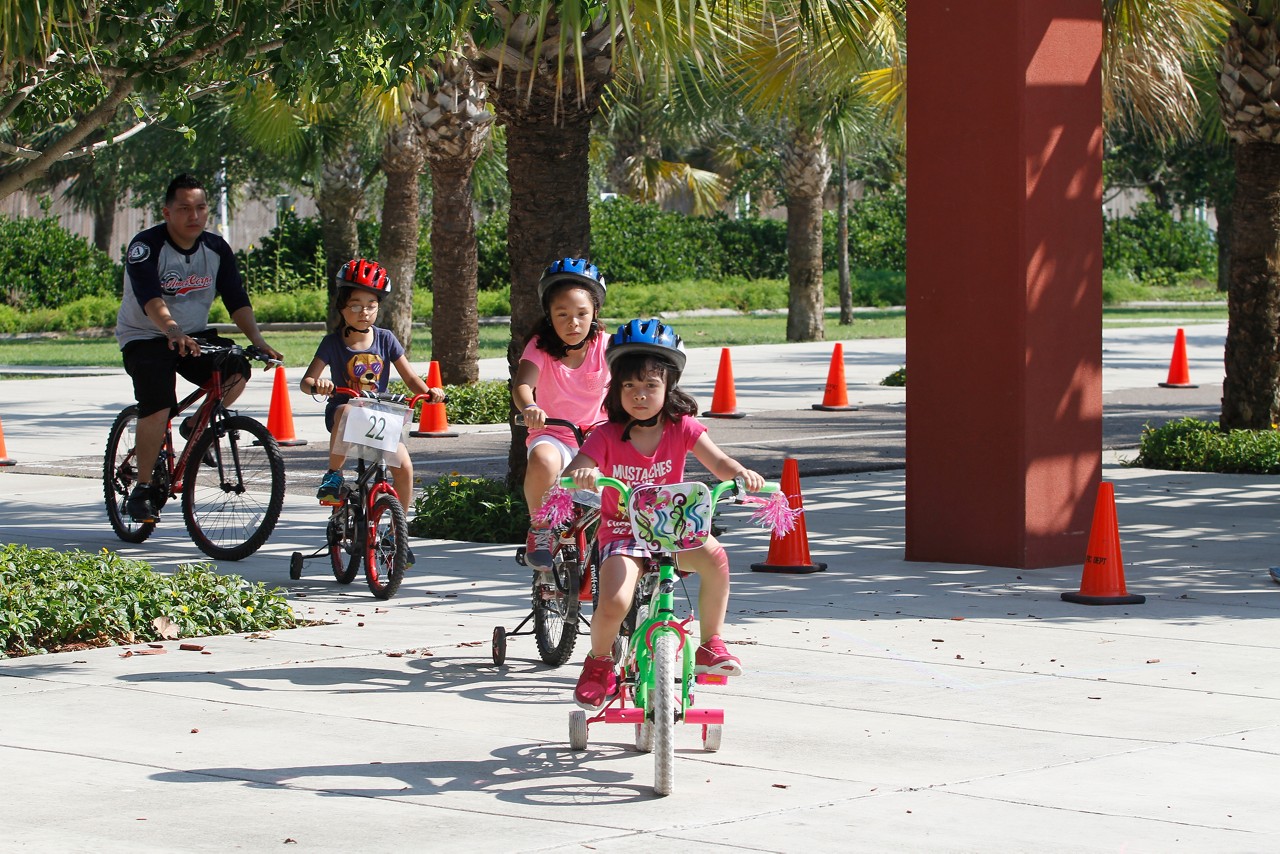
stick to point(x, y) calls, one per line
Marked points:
point(655, 595)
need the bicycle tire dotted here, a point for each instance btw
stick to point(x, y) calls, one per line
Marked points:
point(232, 507)
point(344, 544)
point(386, 560)
point(119, 474)
point(556, 608)
point(664, 710)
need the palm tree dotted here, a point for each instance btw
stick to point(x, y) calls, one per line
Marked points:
point(1251, 115)
point(454, 125)
point(402, 162)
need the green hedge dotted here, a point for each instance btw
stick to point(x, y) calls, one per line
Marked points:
point(46, 266)
point(1193, 445)
point(1155, 248)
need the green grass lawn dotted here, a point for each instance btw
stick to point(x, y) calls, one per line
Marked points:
point(697, 331)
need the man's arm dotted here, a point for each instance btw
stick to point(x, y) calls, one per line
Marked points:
point(157, 311)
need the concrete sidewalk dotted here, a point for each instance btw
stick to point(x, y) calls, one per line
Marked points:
point(888, 706)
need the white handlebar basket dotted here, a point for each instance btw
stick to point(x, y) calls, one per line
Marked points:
point(671, 517)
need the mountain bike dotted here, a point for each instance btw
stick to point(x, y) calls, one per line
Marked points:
point(368, 523)
point(657, 647)
point(558, 593)
point(230, 473)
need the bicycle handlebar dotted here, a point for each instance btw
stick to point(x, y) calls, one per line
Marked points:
point(578, 434)
point(250, 352)
point(735, 487)
point(385, 396)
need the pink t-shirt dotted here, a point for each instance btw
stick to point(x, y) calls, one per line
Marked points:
point(574, 394)
point(619, 459)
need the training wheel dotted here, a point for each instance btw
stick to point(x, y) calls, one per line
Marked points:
point(295, 565)
point(711, 735)
point(644, 737)
point(499, 644)
point(578, 730)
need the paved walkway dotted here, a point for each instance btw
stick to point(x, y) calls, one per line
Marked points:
point(889, 706)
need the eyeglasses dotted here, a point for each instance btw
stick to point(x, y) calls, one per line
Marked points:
point(363, 309)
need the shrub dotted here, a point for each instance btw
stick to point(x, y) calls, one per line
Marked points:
point(470, 508)
point(1155, 247)
point(897, 378)
point(50, 600)
point(484, 402)
point(877, 233)
point(47, 266)
point(1193, 445)
point(299, 306)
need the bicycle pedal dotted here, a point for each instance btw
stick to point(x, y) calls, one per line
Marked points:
point(711, 679)
point(520, 556)
point(330, 502)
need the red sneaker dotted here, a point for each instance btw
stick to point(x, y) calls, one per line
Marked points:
point(714, 657)
point(537, 548)
point(597, 685)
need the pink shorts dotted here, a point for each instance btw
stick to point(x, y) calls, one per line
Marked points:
point(622, 547)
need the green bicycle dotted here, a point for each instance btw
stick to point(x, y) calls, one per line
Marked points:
point(656, 647)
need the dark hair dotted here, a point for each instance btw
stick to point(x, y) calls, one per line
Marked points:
point(340, 299)
point(544, 332)
point(634, 366)
point(182, 182)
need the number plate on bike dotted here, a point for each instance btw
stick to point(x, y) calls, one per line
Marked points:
point(671, 517)
point(374, 424)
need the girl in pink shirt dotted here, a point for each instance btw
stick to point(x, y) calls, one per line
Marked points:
point(563, 362)
point(650, 431)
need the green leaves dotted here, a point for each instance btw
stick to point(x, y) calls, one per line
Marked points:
point(51, 599)
point(1193, 445)
point(472, 509)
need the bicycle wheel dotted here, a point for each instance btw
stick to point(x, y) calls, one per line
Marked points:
point(663, 706)
point(556, 607)
point(344, 545)
point(232, 507)
point(387, 552)
point(120, 473)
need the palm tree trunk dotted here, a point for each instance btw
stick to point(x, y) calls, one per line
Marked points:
point(339, 199)
point(402, 162)
point(842, 245)
point(1251, 390)
point(805, 169)
point(455, 322)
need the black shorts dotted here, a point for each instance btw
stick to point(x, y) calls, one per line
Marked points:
point(154, 367)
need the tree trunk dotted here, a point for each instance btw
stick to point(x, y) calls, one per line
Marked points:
point(842, 245)
point(455, 322)
point(1224, 247)
point(1251, 390)
point(805, 170)
point(104, 223)
point(339, 200)
point(402, 162)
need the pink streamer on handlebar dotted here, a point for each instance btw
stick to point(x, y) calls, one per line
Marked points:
point(557, 508)
point(774, 512)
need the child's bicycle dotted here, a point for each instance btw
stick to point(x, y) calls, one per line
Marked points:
point(368, 522)
point(230, 474)
point(657, 648)
point(558, 593)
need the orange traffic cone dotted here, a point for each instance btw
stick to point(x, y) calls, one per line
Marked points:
point(434, 423)
point(1103, 581)
point(790, 552)
point(1179, 375)
point(724, 402)
point(4, 455)
point(280, 415)
point(836, 397)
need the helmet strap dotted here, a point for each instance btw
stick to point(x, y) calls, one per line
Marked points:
point(577, 346)
point(648, 422)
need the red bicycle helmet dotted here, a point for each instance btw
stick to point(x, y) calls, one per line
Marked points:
point(365, 275)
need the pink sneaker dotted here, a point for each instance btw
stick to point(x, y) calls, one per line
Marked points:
point(537, 548)
point(714, 657)
point(598, 683)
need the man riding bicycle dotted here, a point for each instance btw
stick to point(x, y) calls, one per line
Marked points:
point(172, 273)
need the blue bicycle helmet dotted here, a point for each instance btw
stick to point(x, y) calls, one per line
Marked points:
point(578, 271)
point(646, 336)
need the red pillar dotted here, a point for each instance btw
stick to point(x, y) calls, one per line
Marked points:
point(1004, 280)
